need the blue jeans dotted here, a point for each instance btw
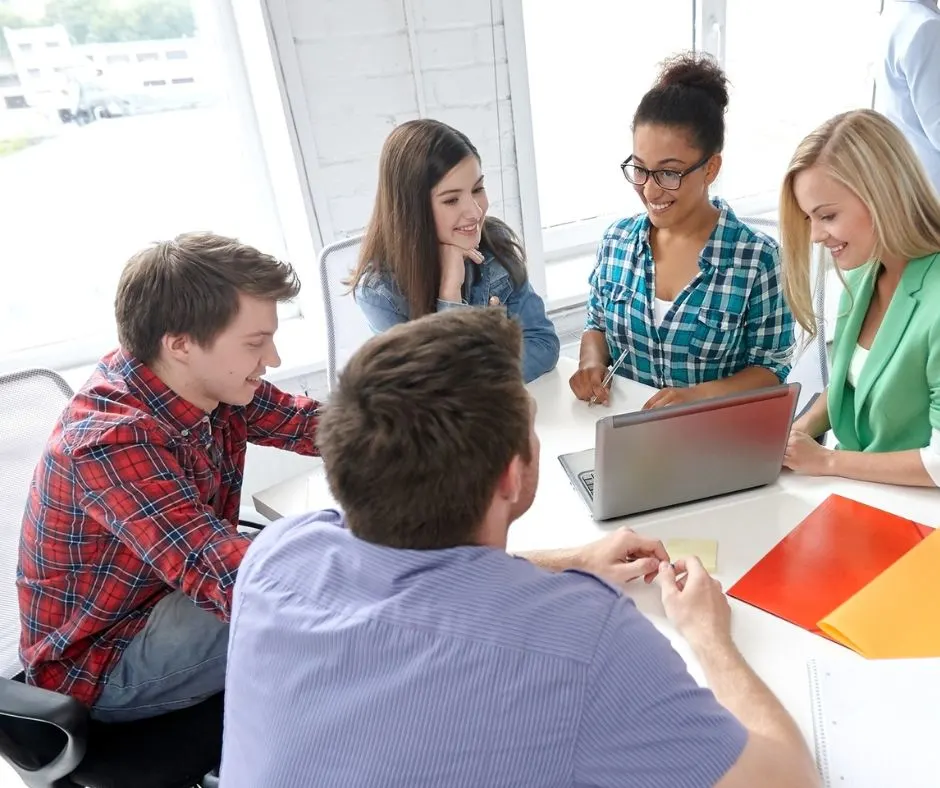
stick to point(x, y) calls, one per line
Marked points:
point(175, 661)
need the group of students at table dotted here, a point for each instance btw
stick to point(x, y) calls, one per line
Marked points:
point(700, 303)
point(398, 643)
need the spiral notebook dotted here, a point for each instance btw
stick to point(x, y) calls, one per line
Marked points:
point(876, 723)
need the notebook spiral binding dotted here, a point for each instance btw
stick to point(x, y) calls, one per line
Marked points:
point(819, 729)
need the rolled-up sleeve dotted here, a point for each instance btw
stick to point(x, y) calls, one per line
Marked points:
point(769, 329)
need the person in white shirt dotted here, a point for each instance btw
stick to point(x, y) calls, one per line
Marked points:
point(907, 78)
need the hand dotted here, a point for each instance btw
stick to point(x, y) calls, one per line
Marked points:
point(695, 604)
point(671, 396)
point(588, 382)
point(623, 556)
point(805, 456)
point(452, 270)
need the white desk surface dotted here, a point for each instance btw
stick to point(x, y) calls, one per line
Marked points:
point(746, 525)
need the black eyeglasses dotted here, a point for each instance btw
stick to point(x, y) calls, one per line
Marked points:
point(667, 179)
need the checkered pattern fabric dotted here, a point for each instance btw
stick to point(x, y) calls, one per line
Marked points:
point(731, 316)
point(136, 495)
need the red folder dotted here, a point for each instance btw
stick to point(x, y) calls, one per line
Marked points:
point(835, 552)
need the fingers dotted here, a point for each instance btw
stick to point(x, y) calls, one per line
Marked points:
point(667, 579)
point(475, 256)
point(631, 570)
point(659, 399)
point(600, 392)
point(637, 545)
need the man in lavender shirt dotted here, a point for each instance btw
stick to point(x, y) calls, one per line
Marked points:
point(401, 646)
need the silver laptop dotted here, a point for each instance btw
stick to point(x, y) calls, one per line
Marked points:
point(655, 458)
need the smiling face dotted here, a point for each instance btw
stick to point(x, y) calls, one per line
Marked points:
point(229, 369)
point(666, 148)
point(459, 205)
point(838, 218)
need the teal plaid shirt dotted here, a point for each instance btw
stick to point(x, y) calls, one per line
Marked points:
point(729, 317)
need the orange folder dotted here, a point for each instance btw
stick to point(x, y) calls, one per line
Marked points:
point(896, 615)
point(840, 548)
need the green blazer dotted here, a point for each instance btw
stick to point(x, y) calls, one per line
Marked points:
point(897, 401)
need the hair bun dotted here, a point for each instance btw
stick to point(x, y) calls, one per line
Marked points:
point(698, 71)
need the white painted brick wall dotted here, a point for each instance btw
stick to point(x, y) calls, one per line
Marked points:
point(356, 64)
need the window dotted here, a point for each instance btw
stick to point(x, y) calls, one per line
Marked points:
point(585, 68)
point(126, 166)
point(24, 48)
point(177, 54)
point(778, 97)
point(146, 57)
point(154, 83)
point(9, 81)
point(33, 73)
point(183, 81)
point(15, 102)
point(112, 60)
point(585, 80)
point(52, 45)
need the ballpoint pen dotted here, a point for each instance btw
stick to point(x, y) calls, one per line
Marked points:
point(610, 375)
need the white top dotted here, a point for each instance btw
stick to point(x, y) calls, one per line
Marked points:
point(859, 357)
point(660, 308)
point(907, 76)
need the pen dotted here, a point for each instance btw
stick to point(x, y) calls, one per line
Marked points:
point(610, 375)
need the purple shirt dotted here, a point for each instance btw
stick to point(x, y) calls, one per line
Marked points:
point(356, 665)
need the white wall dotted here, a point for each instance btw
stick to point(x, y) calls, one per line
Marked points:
point(357, 68)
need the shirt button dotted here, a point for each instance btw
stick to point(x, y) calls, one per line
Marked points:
point(184, 433)
point(494, 300)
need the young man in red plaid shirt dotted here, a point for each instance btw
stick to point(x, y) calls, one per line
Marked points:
point(129, 547)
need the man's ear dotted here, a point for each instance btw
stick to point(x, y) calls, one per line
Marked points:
point(510, 482)
point(176, 347)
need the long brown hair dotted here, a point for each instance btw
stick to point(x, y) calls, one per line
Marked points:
point(401, 239)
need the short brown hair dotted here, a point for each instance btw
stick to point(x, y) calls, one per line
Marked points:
point(426, 418)
point(190, 285)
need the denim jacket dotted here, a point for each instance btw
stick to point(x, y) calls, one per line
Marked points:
point(486, 284)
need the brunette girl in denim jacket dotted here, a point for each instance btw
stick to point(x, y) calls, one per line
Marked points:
point(430, 245)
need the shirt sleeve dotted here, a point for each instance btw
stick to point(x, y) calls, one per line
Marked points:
point(596, 320)
point(930, 454)
point(922, 69)
point(283, 420)
point(769, 328)
point(540, 343)
point(137, 489)
point(645, 720)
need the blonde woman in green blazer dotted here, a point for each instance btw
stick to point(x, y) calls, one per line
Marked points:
point(856, 186)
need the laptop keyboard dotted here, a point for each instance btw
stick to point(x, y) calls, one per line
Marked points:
point(587, 479)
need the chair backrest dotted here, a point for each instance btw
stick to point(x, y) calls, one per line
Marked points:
point(30, 403)
point(811, 361)
point(346, 326)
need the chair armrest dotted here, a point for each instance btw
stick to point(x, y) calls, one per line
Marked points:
point(27, 708)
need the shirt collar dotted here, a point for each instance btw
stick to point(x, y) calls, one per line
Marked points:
point(711, 253)
point(160, 400)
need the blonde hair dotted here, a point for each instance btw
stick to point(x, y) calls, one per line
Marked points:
point(869, 155)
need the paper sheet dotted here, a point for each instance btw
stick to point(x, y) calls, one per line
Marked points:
point(706, 550)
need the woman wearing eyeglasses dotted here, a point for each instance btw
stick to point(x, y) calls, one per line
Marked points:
point(686, 297)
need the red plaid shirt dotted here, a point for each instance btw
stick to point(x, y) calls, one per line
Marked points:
point(136, 495)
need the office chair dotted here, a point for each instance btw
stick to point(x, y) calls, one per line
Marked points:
point(346, 327)
point(48, 738)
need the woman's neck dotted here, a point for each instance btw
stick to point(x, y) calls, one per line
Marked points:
point(697, 226)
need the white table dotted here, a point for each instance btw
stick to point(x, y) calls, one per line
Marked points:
point(746, 526)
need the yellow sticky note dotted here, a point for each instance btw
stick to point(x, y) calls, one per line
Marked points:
point(706, 550)
point(895, 615)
